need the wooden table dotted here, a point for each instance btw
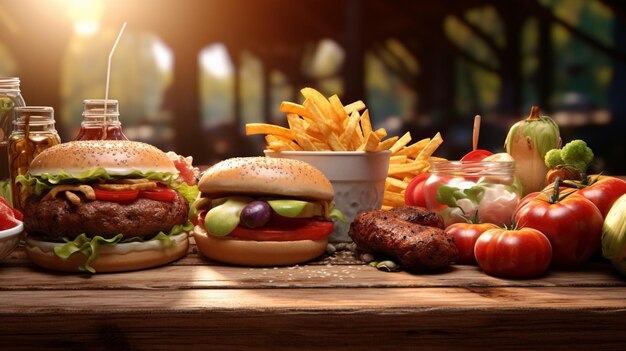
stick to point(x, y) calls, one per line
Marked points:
point(333, 303)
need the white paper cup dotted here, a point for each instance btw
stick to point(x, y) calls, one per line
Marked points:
point(358, 179)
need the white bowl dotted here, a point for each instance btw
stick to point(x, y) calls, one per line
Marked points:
point(358, 179)
point(9, 239)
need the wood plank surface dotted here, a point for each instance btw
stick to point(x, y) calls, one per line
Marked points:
point(334, 303)
point(429, 329)
point(354, 276)
point(433, 318)
point(391, 300)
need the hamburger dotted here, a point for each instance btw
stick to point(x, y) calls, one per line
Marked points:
point(259, 211)
point(105, 206)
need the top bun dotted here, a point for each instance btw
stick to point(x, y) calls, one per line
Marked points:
point(265, 176)
point(117, 157)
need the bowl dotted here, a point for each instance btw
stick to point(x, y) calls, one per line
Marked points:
point(9, 238)
point(358, 179)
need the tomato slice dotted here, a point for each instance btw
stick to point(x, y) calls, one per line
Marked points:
point(159, 194)
point(477, 155)
point(286, 230)
point(117, 195)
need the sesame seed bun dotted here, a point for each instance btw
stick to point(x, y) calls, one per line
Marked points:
point(117, 157)
point(265, 176)
point(257, 253)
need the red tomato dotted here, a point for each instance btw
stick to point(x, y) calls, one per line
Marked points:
point(159, 194)
point(604, 192)
point(476, 155)
point(526, 199)
point(573, 225)
point(7, 219)
point(286, 230)
point(414, 193)
point(117, 195)
point(465, 236)
point(16, 213)
point(519, 253)
point(430, 191)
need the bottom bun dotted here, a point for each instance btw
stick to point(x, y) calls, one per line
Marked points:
point(121, 257)
point(257, 253)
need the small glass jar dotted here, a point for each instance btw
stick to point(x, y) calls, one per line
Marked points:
point(477, 191)
point(10, 97)
point(33, 132)
point(101, 121)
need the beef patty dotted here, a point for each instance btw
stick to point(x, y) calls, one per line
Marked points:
point(141, 217)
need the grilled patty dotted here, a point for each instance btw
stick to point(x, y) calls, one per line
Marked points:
point(141, 217)
point(407, 235)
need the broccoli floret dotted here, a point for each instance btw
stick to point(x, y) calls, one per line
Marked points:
point(578, 154)
point(553, 158)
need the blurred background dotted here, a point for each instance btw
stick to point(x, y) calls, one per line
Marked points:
point(190, 73)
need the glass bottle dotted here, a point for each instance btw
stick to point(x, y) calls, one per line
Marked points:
point(10, 97)
point(101, 124)
point(33, 132)
point(478, 191)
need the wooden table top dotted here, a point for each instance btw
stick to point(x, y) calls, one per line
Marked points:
point(335, 302)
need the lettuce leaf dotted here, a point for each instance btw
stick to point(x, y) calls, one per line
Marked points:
point(88, 247)
point(189, 192)
point(48, 180)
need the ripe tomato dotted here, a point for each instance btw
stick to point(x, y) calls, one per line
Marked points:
point(476, 155)
point(526, 199)
point(16, 213)
point(414, 193)
point(465, 236)
point(604, 192)
point(518, 253)
point(286, 230)
point(159, 194)
point(430, 191)
point(572, 224)
point(7, 219)
point(116, 195)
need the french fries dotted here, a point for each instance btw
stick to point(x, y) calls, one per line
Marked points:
point(321, 124)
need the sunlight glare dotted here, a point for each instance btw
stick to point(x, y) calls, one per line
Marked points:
point(86, 15)
point(214, 60)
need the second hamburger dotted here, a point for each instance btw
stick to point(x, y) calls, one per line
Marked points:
point(259, 211)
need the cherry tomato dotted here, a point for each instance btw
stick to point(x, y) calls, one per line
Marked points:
point(518, 253)
point(286, 230)
point(573, 225)
point(116, 195)
point(476, 155)
point(604, 192)
point(414, 193)
point(465, 236)
point(159, 194)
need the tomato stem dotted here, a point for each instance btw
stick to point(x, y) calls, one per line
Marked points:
point(555, 193)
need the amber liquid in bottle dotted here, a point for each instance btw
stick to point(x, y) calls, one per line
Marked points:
point(33, 132)
point(101, 121)
point(101, 133)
